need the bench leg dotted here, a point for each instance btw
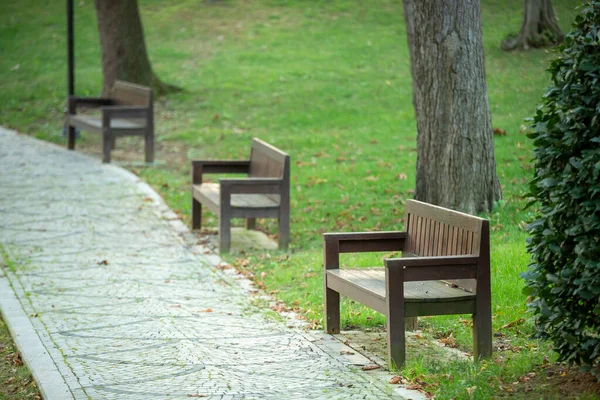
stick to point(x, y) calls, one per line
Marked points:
point(106, 144)
point(396, 337)
point(196, 214)
point(71, 137)
point(224, 233)
point(482, 333)
point(251, 223)
point(284, 231)
point(149, 146)
point(332, 311)
point(411, 323)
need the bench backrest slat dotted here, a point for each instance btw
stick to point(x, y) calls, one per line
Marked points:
point(125, 93)
point(436, 231)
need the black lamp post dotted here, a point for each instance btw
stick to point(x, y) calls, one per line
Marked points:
point(70, 49)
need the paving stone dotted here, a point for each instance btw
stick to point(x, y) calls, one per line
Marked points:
point(128, 308)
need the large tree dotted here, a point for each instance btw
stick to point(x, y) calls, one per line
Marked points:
point(124, 54)
point(539, 27)
point(456, 167)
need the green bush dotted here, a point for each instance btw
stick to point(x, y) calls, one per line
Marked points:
point(564, 276)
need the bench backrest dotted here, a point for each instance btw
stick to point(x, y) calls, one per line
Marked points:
point(267, 161)
point(125, 93)
point(437, 231)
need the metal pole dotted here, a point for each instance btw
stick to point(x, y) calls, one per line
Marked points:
point(70, 132)
point(70, 48)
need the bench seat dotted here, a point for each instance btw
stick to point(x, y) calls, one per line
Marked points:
point(370, 283)
point(260, 205)
point(94, 124)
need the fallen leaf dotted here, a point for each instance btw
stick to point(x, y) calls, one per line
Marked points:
point(206, 310)
point(103, 262)
point(370, 367)
point(395, 379)
point(346, 352)
point(513, 323)
point(414, 386)
point(471, 389)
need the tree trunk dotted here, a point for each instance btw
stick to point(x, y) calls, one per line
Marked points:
point(539, 27)
point(124, 54)
point(456, 167)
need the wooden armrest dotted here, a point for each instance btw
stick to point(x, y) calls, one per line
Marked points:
point(74, 101)
point(125, 112)
point(434, 268)
point(358, 242)
point(251, 185)
point(200, 167)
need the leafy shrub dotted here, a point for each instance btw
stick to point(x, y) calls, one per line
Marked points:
point(564, 276)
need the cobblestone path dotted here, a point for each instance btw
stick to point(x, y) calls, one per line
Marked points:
point(127, 309)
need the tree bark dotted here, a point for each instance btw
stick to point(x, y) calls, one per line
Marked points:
point(539, 28)
point(456, 167)
point(124, 54)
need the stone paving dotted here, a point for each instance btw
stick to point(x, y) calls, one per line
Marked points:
point(126, 307)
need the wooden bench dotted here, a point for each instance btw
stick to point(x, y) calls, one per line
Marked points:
point(129, 110)
point(264, 193)
point(444, 269)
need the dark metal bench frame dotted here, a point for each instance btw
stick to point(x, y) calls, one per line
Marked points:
point(444, 269)
point(129, 110)
point(264, 193)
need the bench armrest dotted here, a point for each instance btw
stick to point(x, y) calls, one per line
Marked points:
point(75, 101)
point(200, 167)
point(251, 186)
point(125, 112)
point(360, 242)
point(433, 268)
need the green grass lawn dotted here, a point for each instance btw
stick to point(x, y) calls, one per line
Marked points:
point(329, 82)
